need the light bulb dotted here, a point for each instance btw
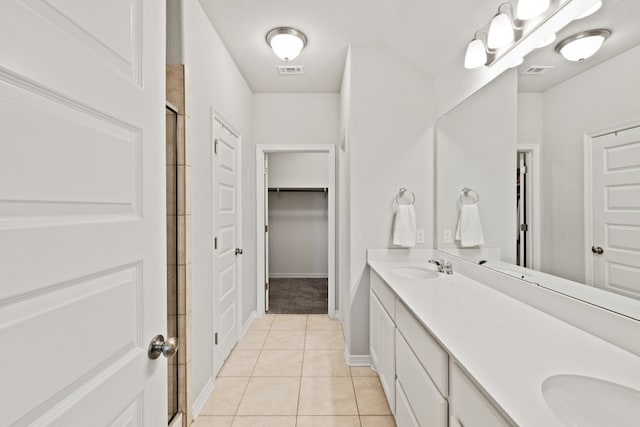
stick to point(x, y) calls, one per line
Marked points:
point(528, 9)
point(476, 55)
point(500, 31)
point(286, 46)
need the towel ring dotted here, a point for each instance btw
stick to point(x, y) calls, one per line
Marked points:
point(465, 191)
point(402, 192)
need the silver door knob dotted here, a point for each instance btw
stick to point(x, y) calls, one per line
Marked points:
point(238, 251)
point(159, 346)
point(597, 250)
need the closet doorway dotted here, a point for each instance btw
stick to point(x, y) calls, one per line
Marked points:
point(528, 206)
point(296, 229)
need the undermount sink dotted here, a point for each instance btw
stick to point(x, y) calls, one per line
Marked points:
point(414, 273)
point(590, 402)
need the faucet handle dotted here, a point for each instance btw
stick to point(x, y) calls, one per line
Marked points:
point(448, 268)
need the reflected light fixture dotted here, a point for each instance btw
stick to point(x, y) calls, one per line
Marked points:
point(516, 62)
point(593, 9)
point(501, 28)
point(583, 45)
point(476, 55)
point(528, 9)
point(286, 42)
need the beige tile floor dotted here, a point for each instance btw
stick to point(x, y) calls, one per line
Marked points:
point(289, 370)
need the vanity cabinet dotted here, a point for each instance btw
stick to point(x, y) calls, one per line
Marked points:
point(382, 331)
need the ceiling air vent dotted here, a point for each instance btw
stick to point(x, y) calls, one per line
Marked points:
point(536, 70)
point(290, 70)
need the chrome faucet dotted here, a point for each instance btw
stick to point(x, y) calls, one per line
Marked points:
point(443, 267)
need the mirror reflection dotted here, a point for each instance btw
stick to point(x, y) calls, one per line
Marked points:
point(559, 174)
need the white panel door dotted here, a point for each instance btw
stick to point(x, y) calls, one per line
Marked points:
point(225, 207)
point(616, 212)
point(266, 232)
point(82, 212)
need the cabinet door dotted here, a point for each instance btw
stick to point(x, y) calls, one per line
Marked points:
point(404, 415)
point(382, 347)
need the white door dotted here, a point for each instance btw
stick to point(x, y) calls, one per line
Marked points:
point(82, 212)
point(266, 232)
point(225, 205)
point(616, 212)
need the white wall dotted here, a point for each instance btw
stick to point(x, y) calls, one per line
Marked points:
point(530, 118)
point(476, 148)
point(309, 170)
point(603, 96)
point(213, 81)
point(389, 145)
point(298, 242)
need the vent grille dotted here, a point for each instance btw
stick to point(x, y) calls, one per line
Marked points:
point(536, 70)
point(290, 70)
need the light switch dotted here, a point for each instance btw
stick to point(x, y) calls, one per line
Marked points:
point(447, 236)
point(420, 236)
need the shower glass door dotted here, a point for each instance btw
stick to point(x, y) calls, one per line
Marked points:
point(172, 255)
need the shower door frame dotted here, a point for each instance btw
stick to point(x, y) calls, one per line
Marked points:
point(261, 151)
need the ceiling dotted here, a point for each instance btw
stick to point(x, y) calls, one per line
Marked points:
point(622, 17)
point(430, 34)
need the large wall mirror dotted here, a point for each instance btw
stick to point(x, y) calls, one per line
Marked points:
point(552, 152)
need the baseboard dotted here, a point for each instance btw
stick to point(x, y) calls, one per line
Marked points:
point(247, 323)
point(298, 276)
point(202, 398)
point(357, 359)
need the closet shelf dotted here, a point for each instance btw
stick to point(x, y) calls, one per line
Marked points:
point(299, 189)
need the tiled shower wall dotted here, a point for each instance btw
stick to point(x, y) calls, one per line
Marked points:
point(175, 88)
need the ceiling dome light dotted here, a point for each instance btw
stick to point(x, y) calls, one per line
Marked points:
point(593, 9)
point(528, 9)
point(286, 42)
point(581, 46)
point(547, 41)
point(500, 30)
point(476, 55)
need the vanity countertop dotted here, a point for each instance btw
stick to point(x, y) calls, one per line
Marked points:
point(507, 346)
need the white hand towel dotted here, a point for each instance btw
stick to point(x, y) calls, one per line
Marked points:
point(469, 231)
point(404, 226)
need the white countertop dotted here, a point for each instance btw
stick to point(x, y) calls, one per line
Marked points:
point(508, 347)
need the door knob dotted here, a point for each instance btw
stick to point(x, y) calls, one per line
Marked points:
point(238, 251)
point(159, 346)
point(597, 250)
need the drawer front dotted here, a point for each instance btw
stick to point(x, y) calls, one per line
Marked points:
point(469, 405)
point(384, 293)
point(382, 347)
point(429, 407)
point(404, 414)
point(432, 357)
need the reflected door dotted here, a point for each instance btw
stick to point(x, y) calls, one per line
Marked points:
point(616, 212)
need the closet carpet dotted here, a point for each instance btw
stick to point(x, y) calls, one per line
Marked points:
point(298, 296)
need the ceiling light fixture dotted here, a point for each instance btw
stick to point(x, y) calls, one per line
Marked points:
point(583, 45)
point(593, 9)
point(528, 9)
point(477, 54)
point(286, 42)
point(501, 28)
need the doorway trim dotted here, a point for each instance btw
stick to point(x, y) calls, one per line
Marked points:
point(536, 197)
point(588, 189)
point(261, 150)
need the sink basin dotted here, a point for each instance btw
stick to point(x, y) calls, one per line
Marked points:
point(414, 273)
point(590, 402)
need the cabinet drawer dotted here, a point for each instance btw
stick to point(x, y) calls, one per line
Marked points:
point(404, 413)
point(384, 293)
point(469, 406)
point(432, 357)
point(429, 407)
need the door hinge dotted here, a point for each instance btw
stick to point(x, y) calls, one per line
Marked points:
point(266, 286)
point(215, 338)
point(215, 243)
point(215, 146)
point(524, 227)
point(266, 228)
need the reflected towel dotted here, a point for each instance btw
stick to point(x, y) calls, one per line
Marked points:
point(469, 231)
point(404, 226)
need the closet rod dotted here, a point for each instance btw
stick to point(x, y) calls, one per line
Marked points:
point(299, 189)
